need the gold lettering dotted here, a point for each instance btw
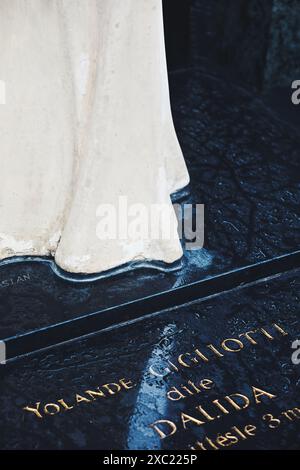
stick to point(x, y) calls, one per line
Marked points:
point(223, 441)
point(80, 398)
point(87, 397)
point(204, 413)
point(248, 337)
point(64, 404)
point(266, 334)
point(189, 392)
point(199, 353)
point(174, 394)
point(273, 423)
point(127, 384)
point(187, 418)
point(257, 392)
point(232, 340)
point(34, 410)
point(291, 415)
point(172, 428)
point(250, 430)
point(221, 407)
point(206, 384)
point(56, 409)
point(239, 432)
point(185, 364)
point(196, 389)
point(198, 445)
point(175, 368)
point(214, 350)
point(278, 328)
point(236, 405)
point(233, 439)
point(158, 374)
point(109, 388)
point(95, 393)
point(212, 444)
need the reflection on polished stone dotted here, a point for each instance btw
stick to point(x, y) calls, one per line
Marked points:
point(195, 376)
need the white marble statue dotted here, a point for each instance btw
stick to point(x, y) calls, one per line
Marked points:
point(86, 120)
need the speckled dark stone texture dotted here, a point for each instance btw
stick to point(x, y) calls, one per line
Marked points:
point(122, 421)
point(256, 40)
point(234, 34)
point(283, 57)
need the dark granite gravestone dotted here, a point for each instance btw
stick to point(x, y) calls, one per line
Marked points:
point(231, 355)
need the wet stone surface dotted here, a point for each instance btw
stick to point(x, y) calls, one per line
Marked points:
point(154, 355)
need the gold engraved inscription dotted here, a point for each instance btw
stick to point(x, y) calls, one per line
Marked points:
point(201, 414)
point(88, 396)
point(210, 352)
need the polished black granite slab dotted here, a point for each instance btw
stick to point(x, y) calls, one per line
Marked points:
point(136, 352)
point(257, 40)
point(244, 166)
